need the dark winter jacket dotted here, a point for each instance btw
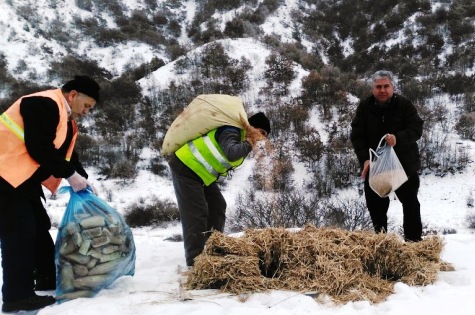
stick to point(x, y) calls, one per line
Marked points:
point(229, 139)
point(399, 117)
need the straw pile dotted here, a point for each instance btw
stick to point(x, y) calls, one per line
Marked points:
point(347, 266)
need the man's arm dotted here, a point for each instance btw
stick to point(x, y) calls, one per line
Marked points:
point(77, 165)
point(41, 118)
point(229, 139)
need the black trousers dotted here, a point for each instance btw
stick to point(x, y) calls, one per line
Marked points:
point(26, 245)
point(202, 208)
point(407, 194)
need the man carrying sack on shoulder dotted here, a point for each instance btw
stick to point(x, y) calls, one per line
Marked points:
point(195, 168)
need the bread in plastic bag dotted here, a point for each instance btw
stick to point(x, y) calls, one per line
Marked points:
point(94, 247)
point(386, 173)
point(205, 113)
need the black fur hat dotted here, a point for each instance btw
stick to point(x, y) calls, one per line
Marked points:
point(83, 84)
point(260, 120)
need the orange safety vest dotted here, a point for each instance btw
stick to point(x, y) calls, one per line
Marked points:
point(16, 165)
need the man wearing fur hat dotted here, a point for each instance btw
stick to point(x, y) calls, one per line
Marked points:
point(37, 137)
point(195, 168)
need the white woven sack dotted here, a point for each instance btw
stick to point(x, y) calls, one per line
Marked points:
point(205, 113)
point(386, 173)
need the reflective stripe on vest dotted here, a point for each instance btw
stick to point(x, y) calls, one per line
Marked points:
point(216, 153)
point(201, 159)
point(20, 133)
point(205, 157)
point(16, 165)
point(13, 126)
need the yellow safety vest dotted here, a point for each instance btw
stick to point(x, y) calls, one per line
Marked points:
point(206, 158)
point(16, 165)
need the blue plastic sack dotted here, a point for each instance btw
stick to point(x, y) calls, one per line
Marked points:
point(94, 247)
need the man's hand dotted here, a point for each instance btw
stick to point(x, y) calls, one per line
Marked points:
point(91, 186)
point(390, 140)
point(365, 170)
point(253, 135)
point(77, 182)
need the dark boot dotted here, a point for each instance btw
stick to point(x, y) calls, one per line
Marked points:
point(31, 303)
point(45, 283)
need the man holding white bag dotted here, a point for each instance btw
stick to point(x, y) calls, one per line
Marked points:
point(390, 114)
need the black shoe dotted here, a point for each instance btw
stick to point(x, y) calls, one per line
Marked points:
point(31, 303)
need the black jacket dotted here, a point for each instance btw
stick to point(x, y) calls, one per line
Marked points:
point(41, 118)
point(399, 117)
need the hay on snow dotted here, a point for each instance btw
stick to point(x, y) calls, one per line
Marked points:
point(347, 266)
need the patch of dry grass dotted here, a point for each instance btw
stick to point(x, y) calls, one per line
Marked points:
point(347, 266)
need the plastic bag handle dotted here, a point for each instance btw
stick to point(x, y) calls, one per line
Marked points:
point(373, 153)
point(381, 141)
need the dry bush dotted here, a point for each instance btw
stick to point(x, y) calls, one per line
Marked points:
point(156, 213)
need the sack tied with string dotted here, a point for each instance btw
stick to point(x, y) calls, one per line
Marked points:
point(94, 247)
point(386, 173)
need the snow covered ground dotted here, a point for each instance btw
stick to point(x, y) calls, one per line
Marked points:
point(155, 288)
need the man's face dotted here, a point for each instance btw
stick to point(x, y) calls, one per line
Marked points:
point(80, 104)
point(383, 90)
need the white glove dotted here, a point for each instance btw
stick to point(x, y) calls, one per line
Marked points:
point(77, 182)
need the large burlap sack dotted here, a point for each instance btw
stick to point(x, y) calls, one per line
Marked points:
point(205, 113)
point(386, 173)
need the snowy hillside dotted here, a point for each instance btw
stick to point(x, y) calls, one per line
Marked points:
point(32, 36)
point(26, 28)
point(334, 45)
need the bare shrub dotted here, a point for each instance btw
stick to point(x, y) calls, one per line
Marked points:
point(274, 171)
point(158, 167)
point(447, 231)
point(124, 170)
point(156, 213)
point(234, 28)
point(466, 126)
point(349, 214)
point(294, 209)
point(174, 238)
point(287, 209)
point(310, 146)
point(279, 72)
